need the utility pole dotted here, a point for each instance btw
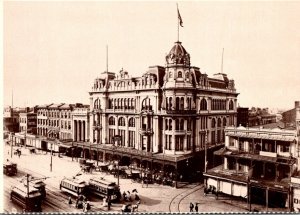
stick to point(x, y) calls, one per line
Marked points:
point(27, 178)
point(72, 150)
point(118, 173)
point(11, 145)
point(51, 158)
point(205, 148)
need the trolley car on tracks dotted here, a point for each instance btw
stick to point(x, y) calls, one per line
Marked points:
point(73, 186)
point(104, 188)
point(30, 199)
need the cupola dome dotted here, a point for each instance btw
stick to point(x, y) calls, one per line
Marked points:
point(178, 55)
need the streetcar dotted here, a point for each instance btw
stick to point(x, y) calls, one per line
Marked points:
point(10, 168)
point(104, 188)
point(73, 186)
point(30, 201)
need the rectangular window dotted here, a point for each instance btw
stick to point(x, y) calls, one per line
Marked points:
point(188, 142)
point(213, 137)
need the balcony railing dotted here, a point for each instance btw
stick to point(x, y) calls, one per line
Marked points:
point(97, 126)
point(181, 111)
point(146, 131)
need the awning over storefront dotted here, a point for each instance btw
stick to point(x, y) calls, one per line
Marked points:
point(244, 155)
point(289, 138)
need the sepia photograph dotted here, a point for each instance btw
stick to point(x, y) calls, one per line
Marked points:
point(151, 106)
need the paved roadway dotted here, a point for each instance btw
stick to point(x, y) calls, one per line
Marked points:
point(154, 198)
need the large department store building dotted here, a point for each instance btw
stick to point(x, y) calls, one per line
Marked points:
point(161, 120)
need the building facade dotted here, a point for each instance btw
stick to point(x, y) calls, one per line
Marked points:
point(28, 122)
point(289, 117)
point(81, 123)
point(165, 115)
point(258, 166)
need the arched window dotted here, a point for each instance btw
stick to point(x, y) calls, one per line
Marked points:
point(181, 103)
point(170, 75)
point(111, 121)
point(121, 121)
point(166, 124)
point(177, 124)
point(231, 105)
point(132, 103)
point(203, 104)
point(118, 104)
point(125, 104)
point(181, 124)
point(219, 122)
point(131, 122)
point(170, 103)
point(224, 122)
point(170, 124)
point(146, 104)
point(213, 123)
point(96, 104)
point(128, 104)
point(121, 104)
point(177, 103)
point(187, 76)
point(179, 74)
point(109, 104)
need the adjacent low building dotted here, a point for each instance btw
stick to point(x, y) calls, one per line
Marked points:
point(258, 165)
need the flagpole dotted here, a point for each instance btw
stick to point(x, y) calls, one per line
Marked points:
point(177, 24)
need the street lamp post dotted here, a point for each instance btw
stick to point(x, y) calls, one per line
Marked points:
point(72, 150)
point(51, 158)
point(205, 156)
point(11, 145)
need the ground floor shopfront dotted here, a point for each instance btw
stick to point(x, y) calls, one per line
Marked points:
point(258, 192)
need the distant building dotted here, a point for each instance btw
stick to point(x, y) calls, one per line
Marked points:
point(289, 117)
point(28, 122)
point(10, 121)
point(243, 116)
point(258, 116)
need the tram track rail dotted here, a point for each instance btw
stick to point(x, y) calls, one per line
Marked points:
point(182, 196)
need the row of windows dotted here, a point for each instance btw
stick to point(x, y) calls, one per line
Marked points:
point(23, 120)
point(121, 103)
point(55, 114)
point(179, 103)
point(216, 104)
point(179, 142)
point(68, 185)
point(179, 124)
point(219, 124)
point(179, 74)
point(121, 121)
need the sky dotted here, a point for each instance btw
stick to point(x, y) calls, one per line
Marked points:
point(54, 50)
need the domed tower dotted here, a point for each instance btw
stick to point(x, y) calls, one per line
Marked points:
point(178, 68)
point(178, 105)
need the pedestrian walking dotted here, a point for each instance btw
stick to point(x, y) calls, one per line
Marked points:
point(191, 207)
point(196, 207)
point(70, 201)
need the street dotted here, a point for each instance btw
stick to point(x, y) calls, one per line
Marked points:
point(154, 198)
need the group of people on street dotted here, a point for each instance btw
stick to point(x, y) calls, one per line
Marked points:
point(127, 198)
point(127, 195)
point(192, 207)
point(81, 202)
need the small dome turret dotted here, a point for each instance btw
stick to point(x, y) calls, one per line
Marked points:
point(178, 55)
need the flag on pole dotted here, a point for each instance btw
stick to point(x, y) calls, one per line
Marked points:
point(179, 18)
